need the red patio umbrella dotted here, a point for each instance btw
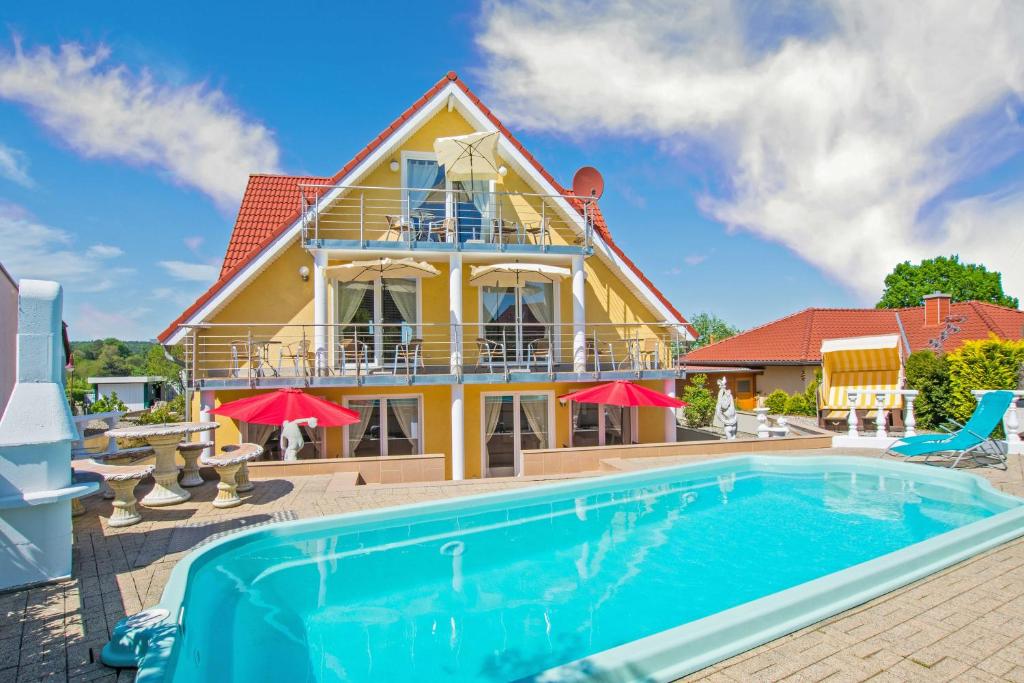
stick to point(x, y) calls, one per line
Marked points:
point(623, 393)
point(275, 407)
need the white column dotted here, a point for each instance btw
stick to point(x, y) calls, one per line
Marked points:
point(455, 311)
point(909, 419)
point(458, 433)
point(670, 413)
point(1011, 423)
point(880, 414)
point(207, 399)
point(851, 420)
point(579, 316)
point(320, 307)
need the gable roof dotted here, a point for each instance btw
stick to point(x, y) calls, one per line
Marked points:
point(270, 205)
point(796, 339)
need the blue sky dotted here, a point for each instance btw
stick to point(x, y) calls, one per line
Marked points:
point(709, 191)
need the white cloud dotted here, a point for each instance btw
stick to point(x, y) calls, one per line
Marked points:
point(192, 272)
point(193, 243)
point(695, 259)
point(34, 250)
point(92, 322)
point(838, 139)
point(14, 166)
point(103, 251)
point(191, 132)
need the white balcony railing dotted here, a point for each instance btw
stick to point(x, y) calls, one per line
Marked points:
point(881, 413)
point(259, 353)
point(442, 217)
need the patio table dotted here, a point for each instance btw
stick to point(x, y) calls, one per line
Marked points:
point(164, 439)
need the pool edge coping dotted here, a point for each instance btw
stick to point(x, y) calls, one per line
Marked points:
point(155, 653)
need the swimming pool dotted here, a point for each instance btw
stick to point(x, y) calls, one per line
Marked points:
point(649, 574)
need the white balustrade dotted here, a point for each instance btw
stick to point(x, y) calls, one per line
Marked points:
point(880, 414)
point(851, 419)
point(909, 420)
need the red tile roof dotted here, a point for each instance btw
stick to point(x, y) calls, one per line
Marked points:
point(271, 204)
point(796, 339)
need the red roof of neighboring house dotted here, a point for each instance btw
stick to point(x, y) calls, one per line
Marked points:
point(796, 339)
point(271, 204)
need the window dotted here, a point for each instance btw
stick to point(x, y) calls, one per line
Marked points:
point(519, 317)
point(379, 314)
point(601, 425)
point(513, 423)
point(387, 426)
point(429, 196)
point(743, 386)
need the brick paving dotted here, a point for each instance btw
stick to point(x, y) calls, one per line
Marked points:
point(964, 623)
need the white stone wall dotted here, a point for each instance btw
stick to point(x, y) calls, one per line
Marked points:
point(8, 335)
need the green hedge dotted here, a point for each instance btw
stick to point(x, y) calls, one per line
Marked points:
point(701, 408)
point(983, 364)
point(929, 374)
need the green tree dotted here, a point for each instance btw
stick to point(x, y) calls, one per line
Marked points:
point(156, 363)
point(76, 389)
point(929, 374)
point(776, 402)
point(908, 284)
point(106, 404)
point(710, 328)
point(982, 364)
point(701, 405)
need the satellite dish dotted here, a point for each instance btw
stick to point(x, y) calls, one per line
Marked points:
point(588, 183)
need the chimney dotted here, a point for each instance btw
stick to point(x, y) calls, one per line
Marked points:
point(936, 309)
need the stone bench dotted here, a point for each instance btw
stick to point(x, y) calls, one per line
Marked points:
point(190, 452)
point(227, 465)
point(124, 456)
point(122, 479)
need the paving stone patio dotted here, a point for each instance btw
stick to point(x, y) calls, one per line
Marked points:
point(964, 623)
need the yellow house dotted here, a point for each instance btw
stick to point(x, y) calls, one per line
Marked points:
point(448, 313)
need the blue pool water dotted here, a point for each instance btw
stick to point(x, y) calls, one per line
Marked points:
point(504, 590)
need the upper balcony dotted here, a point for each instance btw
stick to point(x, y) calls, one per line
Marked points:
point(446, 218)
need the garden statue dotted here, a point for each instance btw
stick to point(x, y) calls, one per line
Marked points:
point(725, 410)
point(291, 437)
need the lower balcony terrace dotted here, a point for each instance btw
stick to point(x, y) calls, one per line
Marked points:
point(276, 355)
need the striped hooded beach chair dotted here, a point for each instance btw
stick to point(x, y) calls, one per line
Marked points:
point(864, 364)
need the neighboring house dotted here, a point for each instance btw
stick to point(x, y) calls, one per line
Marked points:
point(438, 354)
point(8, 335)
point(137, 393)
point(786, 353)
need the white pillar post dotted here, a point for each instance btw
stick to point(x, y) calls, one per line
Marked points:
point(320, 308)
point(1011, 423)
point(579, 316)
point(207, 398)
point(851, 420)
point(909, 419)
point(880, 414)
point(670, 413)
point(455, 311)
point(458, 433)
point(762, 423)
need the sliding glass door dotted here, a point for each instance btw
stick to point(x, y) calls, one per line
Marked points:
point(601, 425)
point(387, 426)
point(513, 423)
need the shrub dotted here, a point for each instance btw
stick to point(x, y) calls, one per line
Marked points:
point(776, 402)
point(811, 394)
point(701, 408)
point(984, 364)
point(797, 405)
point(929, 374)
point(106, 404)
point(172, 411)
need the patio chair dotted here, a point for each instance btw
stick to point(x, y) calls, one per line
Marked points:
point(539, 351)
point(355, 351)
point(648, 352)
point(488, 351)
point(973, 440)
point(398, 228)
point(443, 230)
point(411, 354)
point(539, 232)
point(298, 354)
point(597, 350)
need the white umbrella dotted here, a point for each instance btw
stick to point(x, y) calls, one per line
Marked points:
point(469, 157)
point(367, 271)
point(515, 274)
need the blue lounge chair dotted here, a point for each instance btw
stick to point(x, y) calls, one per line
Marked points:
point(971, 440)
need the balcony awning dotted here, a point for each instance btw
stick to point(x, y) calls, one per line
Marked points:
point(367, 271)
point(515, 274)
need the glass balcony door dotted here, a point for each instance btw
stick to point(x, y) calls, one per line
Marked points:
point(513, 423)
point(520, 320)
point(430, 197)
point(373, 318)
